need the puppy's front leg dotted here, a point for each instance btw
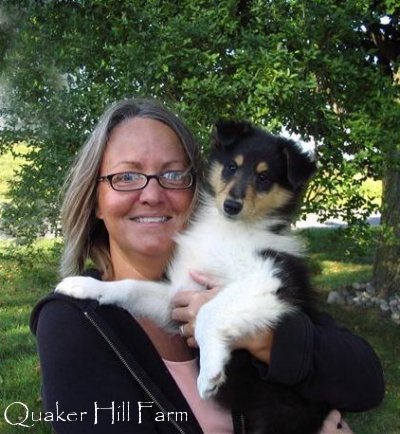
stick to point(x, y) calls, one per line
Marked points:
point(233, 314)
point(214, 348)
point(140, 298)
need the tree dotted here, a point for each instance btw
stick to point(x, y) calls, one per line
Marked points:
point(317, 68)
point(384, 42)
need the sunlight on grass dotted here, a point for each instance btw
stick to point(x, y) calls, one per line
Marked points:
point(336, 274)
point(8, 165)
point(372, 189)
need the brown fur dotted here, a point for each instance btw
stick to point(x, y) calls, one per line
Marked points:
point(262, 167)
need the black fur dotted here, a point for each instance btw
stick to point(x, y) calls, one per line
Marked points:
point(268, 408)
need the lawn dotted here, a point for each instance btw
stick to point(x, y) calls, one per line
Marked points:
point(28, 274)
point(25, 276)
point(338, 261)
point(9, 164)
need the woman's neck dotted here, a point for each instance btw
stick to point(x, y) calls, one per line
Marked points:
point(137, 267)
point(148, 270)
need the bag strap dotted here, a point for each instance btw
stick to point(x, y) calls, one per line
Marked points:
point(89, 310)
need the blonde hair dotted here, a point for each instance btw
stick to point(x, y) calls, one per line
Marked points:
point(85, 235)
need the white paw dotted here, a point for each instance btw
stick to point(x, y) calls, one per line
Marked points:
point(81, 287)
point(212, 374)
point(208, 386)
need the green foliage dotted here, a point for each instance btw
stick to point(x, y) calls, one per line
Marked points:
point(308, 66)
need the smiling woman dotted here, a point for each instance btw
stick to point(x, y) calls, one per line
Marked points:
point(141, 223)
point(129, 136)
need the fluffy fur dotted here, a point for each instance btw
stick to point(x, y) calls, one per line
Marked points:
point(240, 235)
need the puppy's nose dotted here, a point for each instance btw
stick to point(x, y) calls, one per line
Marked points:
point(232, 207)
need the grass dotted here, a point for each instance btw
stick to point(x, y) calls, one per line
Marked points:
point(25, 276)
point(8, 165)
point(28, 274)
point(337, 261)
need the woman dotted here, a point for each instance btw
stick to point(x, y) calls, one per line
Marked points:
point(116, 374)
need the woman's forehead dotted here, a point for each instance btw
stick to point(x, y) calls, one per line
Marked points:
point(139, 141)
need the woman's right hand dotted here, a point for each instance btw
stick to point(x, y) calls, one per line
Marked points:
point(186, 305)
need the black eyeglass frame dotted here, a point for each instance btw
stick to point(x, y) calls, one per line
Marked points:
point(109, 178)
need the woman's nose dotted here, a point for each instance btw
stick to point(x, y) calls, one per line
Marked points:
point(152, 193)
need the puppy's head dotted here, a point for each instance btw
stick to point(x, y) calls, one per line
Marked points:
point(255, 174)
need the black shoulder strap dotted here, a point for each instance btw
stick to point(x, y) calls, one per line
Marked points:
point(89, 310)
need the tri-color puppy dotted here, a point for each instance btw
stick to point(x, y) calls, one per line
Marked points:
point(241, 236)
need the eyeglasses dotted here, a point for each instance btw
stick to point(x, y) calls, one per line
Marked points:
point(131, 181)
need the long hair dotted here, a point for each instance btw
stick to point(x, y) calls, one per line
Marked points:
point(85, 235)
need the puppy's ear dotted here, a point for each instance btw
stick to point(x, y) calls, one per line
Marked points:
point(301, 165)
point(226, 132)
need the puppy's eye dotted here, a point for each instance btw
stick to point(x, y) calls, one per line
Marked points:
point(232, 167)
point(263, 178)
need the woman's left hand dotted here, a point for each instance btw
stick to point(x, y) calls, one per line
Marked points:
point(334, 424)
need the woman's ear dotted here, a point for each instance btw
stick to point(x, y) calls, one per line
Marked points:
point(98, 213)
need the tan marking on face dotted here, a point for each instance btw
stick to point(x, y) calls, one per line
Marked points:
point(220, 187)
point(258, 205)
point(262, 167)
point(215, 177)
point(239, 160)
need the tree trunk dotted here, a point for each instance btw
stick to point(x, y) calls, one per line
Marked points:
point(386, 273)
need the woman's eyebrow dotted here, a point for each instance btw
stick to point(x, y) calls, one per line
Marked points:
point(137, 165)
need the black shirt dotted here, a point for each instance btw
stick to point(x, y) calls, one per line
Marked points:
point(82, 375)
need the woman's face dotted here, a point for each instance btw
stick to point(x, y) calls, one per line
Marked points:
point(141, 223)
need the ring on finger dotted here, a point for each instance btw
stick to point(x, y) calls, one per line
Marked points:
point(182, 330)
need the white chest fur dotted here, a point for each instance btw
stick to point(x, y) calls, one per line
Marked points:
point(226, 249)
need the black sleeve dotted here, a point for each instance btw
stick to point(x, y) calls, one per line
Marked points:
point(81, 376)
point(325, 363)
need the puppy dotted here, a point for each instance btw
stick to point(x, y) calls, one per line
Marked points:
point(241, 236)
